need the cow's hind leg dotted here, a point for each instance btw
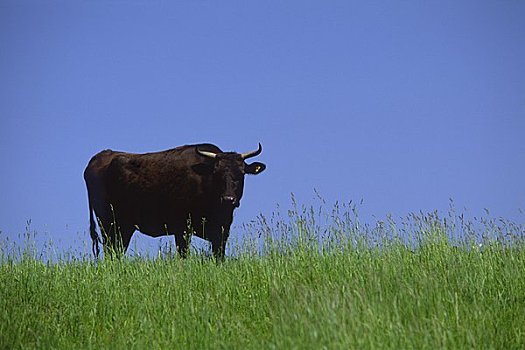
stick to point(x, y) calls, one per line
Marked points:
point(116, 239)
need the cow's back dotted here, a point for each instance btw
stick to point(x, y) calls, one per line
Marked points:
point(152, 185)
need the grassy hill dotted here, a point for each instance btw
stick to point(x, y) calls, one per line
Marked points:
point(294, 293)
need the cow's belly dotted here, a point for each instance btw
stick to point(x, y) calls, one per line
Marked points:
point(154, 230)
point(158, 227)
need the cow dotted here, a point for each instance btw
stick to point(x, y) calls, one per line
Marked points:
point(191, 189)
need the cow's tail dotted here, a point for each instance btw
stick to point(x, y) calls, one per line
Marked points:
point(93, 229)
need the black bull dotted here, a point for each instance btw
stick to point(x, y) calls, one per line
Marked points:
point(186, 190)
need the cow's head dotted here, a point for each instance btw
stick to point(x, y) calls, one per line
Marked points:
point(228, 173)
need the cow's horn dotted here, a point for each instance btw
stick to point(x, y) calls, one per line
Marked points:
point(207, 154)
point(252, 153)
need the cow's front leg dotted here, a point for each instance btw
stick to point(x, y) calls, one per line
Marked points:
point(182, 242)
point(218, 243)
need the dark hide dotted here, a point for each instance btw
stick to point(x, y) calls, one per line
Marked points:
point(178, 192)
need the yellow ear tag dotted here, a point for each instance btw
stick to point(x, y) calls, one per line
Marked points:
point(257, 168)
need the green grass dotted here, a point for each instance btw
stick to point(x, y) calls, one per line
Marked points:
point(353, 294)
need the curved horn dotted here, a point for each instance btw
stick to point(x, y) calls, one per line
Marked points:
point(206, 154)
point(252, 153)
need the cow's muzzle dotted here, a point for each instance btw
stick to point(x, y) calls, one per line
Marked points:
point(230, 200)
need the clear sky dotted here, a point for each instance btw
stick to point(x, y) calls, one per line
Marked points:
point(403, 104)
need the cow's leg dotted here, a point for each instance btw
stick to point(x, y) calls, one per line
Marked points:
point(182, 242)
point(126, 232)
point(116, 238)
point(218, 242)
point(218, 247)
point(106, 222)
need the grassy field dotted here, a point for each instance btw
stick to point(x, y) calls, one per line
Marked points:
point(357, 292)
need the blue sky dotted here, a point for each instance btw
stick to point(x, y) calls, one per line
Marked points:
point(401, 104)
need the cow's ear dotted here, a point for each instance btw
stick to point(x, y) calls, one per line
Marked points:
point(254, 168)
point(203, 168)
